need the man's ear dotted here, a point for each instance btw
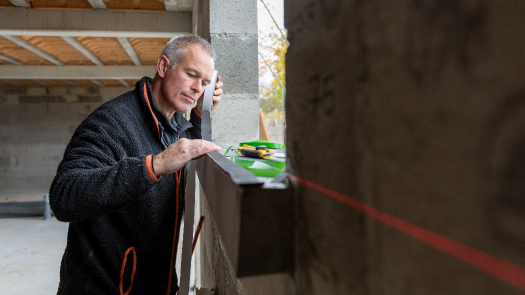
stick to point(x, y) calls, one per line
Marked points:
point(163, 64)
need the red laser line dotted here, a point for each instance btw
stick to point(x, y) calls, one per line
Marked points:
point(501, 269)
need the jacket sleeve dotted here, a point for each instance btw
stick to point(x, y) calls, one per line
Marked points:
point(195, 120)
point(95, 176)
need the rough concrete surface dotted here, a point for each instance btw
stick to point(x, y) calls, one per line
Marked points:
point(217, 270)
point(236, 120)
point(30, 253)
point(231, 26)
point(233, 16)
point(275, 284)
point(237, 63)
point(415, 108)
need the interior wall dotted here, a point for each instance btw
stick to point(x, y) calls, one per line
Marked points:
point(415, 108)
point(36, 124)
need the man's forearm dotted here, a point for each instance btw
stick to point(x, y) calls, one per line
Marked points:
point(79, 193)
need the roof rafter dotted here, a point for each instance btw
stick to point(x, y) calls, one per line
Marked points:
point(97, 83)
point(70, 83)
point(178, 5)
point(11, 82)
point(129, 50)
point(123, 82)
point(98, 4)
point(42, 82)
point(21, 3)
point(78, 46)
point(11, 60)
point(170, 5)
point(33, 49)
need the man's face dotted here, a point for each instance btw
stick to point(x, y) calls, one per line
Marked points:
point(183, 85)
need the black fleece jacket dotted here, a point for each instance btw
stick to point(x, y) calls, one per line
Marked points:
point(124, 222)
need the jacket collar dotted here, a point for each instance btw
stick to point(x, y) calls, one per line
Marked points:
point(174, 127)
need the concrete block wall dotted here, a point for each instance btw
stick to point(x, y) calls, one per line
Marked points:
point(231, 27)
point(417, 109)
point(36, 124)
point(233, 33)
point(217, 272)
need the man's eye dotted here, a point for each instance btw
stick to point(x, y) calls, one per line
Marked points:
point(191, 75)
point(204, 84)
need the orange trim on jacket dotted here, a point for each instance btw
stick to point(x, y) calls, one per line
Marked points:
point(149, 168)
point(150, 109)
point(132, 272)
point(196, 112)
point(199, 114)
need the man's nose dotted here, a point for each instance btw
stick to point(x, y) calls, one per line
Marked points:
point(197, 86)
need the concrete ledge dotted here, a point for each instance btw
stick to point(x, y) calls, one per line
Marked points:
point(255, 224)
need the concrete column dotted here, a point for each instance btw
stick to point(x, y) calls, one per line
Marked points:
point(231, 27)
point(417, 109)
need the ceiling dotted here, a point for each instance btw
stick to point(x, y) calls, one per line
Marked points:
point(86, 43)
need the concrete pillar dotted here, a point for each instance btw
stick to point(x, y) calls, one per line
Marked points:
point(416, 108)
point(231, 27)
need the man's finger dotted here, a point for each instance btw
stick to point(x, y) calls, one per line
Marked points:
point(203, 147)
point(217, 92)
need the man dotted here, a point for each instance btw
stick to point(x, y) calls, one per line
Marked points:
point(121, 181)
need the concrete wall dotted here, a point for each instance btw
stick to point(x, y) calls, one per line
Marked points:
point(36, 124)
point(217, 271)
point(232, 30)
point(416, 108)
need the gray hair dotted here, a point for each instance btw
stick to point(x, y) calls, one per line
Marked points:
point(177, 46)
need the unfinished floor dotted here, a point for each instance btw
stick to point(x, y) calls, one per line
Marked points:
point(30, 252)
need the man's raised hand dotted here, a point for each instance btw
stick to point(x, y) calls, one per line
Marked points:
point(180, 153)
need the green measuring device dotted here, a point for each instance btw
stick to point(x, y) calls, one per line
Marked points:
point(270, 145)
point(262, 158)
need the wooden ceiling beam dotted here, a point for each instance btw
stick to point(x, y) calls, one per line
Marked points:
point(94, 23)
point(171, 5)
point(178, 5)
point(11, 60)
point(76, 72)
point(129, 50)
point(78, 46)
point(70, 83)
point(21, 3)
point(33, 49)
point(97, 83)
point(11, 82)
point(41, 82)
point(98, 4)
point(123, 82)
